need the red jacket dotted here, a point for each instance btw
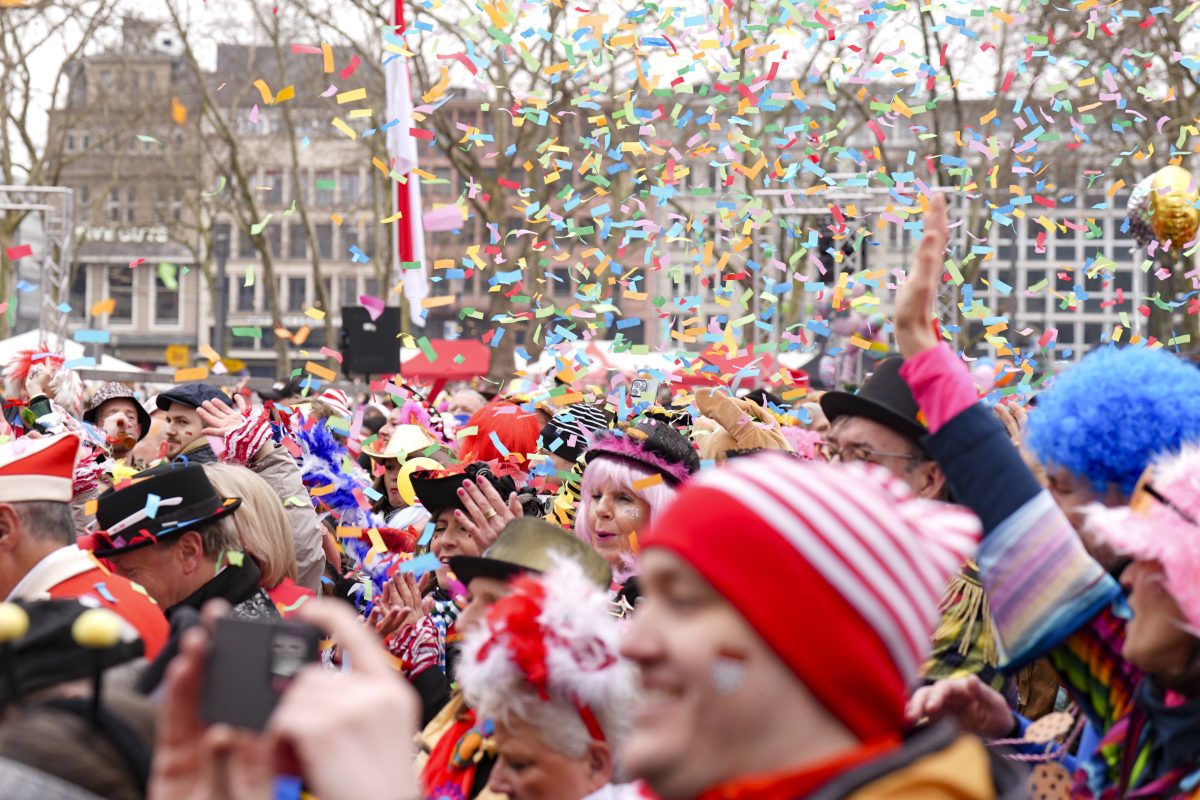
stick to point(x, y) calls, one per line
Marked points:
point(71, 573)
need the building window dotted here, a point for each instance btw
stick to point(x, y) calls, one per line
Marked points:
point(348, 290)
point(113, 206)
point(245, 295)
point(325, 186)
point(120, 289)
point(177, 205)
point(78, 293)
point(166, 302)
point(130, 205)
point(160, 204)
point(297, 242)
point(246, 248)
point(350, 187)
point(325, 240)
point(274, 234)
point(349, 239)
point(70, 144)
point(273, 180)
point(297, 288)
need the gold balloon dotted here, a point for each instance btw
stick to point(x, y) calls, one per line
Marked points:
point(1173, 198)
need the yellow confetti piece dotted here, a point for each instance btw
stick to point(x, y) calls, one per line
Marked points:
point(179, 112)
point(264, 90)
point(347, 532)
point(326, 57)
point(321, 372)
point(89, 508)
point(209, 353)
point(344, 128)
point(286, 93)
point(438, 89)
point(438, 302)
point(191, 374)
point(105, 306)
point(376, 541)
point(647, 482)
point(315, 313)
point(354, 94)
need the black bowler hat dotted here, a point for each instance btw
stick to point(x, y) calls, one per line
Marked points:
point(884, 398)
point(161, 503)
point(528, 544)
point(191, 395)
point(440, 493)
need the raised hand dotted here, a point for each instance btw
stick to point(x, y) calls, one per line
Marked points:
point(486, 511)
point(915, 298)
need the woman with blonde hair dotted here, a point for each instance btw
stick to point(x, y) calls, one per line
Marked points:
point(264, 532)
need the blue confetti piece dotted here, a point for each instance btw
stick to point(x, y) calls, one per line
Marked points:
point(421, 564)
point(102, 590)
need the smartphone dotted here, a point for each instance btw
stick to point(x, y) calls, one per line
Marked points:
point(250, 665)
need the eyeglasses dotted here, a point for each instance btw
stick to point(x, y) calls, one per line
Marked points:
point(831, 450)
point(1145, 491)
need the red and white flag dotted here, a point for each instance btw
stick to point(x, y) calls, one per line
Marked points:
point(402, 145)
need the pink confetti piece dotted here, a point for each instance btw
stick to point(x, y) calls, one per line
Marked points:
point(373, 305)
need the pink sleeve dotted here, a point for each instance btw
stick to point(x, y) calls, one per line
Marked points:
point(940, 384)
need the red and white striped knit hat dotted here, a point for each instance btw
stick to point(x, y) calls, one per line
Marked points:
point(838, 567)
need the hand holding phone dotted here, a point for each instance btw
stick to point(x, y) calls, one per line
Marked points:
point(250, 665)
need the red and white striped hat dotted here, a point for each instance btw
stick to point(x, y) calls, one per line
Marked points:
point(38, 469)
point(838, 567)
point(337, 400)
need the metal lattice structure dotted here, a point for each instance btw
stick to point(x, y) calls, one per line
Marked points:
point(55, 207)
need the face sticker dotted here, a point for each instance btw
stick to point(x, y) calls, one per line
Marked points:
point(729, 670)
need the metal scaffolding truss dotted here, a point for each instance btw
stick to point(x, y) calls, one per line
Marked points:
point(55, 206)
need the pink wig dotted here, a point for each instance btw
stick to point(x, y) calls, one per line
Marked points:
point(806, 443)
point(501, 423)
point(1162, 532)
point(602, 472)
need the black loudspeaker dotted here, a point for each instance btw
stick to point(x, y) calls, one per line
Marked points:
point(370, 347)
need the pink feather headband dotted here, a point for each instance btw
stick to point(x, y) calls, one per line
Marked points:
point(628, 448)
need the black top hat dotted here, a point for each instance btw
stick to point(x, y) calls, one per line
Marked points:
point(117, 391)
point(48, 653)
point(529, 544)
point(440, 493)
point(160, 503)
point(191, 395)
point(884, 398)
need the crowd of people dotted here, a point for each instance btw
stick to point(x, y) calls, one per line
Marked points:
point(925, 587)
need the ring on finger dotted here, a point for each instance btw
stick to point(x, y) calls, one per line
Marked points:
point(491, 512)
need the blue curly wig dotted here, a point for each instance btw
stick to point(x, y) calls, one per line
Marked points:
point(1107, 417)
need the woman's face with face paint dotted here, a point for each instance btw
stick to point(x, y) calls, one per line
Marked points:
point(615, 512)
point(709, 681)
